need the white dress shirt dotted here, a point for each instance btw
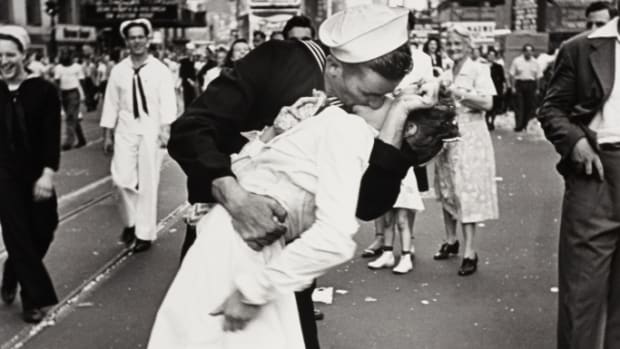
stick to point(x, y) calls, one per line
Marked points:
point(606, 122)
point(118, 110)
point(314, 170)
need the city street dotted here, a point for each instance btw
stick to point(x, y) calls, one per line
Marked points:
point(109, 296)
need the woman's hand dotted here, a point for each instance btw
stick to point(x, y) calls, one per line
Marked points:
point(236, 313)
point(44, 186)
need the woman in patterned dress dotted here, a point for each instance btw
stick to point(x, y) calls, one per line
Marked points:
point(465, 170)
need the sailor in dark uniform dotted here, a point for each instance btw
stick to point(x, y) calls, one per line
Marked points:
point(276, 74)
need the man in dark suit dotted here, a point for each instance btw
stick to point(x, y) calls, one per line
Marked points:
point(581, 117)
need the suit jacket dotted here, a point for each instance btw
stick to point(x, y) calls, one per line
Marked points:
point(581, 82)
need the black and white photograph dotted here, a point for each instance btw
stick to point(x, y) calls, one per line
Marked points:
point(307, 174)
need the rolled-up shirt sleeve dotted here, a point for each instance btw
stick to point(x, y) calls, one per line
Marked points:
point(342, 157)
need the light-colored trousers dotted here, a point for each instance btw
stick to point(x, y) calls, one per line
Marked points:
point(135, 172)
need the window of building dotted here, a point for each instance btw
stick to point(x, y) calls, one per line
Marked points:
point(33, 12)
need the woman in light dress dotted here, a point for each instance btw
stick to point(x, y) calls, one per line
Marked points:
point(465, 170)
point(314, 173)
point(399, 222)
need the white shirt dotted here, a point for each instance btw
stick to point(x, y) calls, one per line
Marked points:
point(37, 68)
point(158, 86)
point(325, 155)
point(606, 122)
point(422, 69)
point(69, 76)
point(523, 69)
point(102, 72)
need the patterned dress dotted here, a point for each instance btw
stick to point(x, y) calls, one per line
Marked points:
point(465, 170)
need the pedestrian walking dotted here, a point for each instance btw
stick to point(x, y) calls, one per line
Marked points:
point(298, 27)
point(465, 170)
point(524, 74)
point(499, 81)
point(211, 74)
point(579, 115)
point(68, 76)
point(29, 159)
point(139, 106)
point(258, 86)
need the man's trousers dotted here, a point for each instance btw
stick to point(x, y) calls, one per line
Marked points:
point(135, 172)
point(525, 103)
point(28, 230)
point(589, 259)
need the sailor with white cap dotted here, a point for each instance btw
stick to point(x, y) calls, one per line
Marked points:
point(138, 108)
point(369, 57)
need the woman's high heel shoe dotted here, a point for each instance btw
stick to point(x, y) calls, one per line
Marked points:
point(447, 250)
point(469, 266)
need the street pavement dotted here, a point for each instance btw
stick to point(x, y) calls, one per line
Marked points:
point(509, 303)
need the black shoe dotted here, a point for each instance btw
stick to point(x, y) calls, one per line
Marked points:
point(374, 250)
point(128, 235)
point(66, 147)
point(8, 294)
point(447, 250)
point(33, 316)
point(469, 266)
point(8, 291)
point(318, 315)
point(80, 145)
point(141, 245)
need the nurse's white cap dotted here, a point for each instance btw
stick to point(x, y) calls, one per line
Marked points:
point(362, 33)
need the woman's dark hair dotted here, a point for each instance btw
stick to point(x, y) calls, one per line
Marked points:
point(297, 21)
point(228, 62)
point(392, 66)
point(425, 47)
point(433, 127)
point(66, 58)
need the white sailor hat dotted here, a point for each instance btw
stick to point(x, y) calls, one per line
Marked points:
point(362, 33)
point(142, 22)
point(16, 33)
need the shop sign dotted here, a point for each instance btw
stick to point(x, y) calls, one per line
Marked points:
point(75, 33)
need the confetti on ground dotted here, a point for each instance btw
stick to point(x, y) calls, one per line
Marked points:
point(482, 225)
point(95, 253)
point(425, 302)
point(342, 291)
point(554, 289)
point(173, 230)
point(370, 299)
point(323, 295)
point(499, 179)
point(86, 305)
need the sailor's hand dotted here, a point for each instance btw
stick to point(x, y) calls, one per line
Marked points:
point(44, 186)
point(236, 313)
point(258, 219)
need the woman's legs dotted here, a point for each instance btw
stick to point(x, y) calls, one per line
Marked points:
point(374, 249)
point(386, 259)
point(451, 246)
point(469, 235)
point(450, 225)
point(470, 257)
point(403, 224)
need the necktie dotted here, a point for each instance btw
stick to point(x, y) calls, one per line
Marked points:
point(137, 81)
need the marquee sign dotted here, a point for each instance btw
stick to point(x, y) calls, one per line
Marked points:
point(160, 12)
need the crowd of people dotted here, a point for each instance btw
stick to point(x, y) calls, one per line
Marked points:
point(281, 207)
